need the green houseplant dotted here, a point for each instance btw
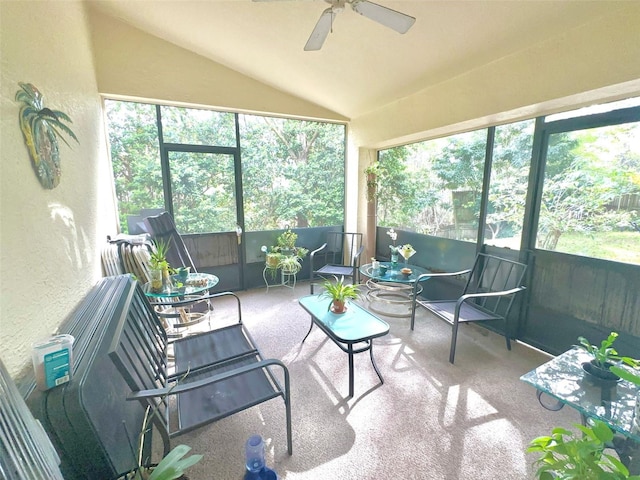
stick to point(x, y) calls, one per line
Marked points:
point(286, 244)
point(158, 264)
point(290, 264)
point(565, 455)
point(604, 357)
point(172, 466)
point(285, 254)
point(339, 292)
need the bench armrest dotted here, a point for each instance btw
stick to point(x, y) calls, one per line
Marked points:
point(444, 274)
point(471, 296)
point(187, 386)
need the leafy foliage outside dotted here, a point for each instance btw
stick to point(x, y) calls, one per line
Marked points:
point(293, 173)
point(292, 170)
point(591, 189)
point(135, 157)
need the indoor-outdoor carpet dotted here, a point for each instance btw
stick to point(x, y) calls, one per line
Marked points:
point(430, 419)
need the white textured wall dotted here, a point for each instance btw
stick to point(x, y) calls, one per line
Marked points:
point(49, 239)
point(159, 70)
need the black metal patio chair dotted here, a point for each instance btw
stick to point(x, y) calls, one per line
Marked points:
point(340, 256)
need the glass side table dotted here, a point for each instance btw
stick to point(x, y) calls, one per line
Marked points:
point(390, 292)
point(616, 403)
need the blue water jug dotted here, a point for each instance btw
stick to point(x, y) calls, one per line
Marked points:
point(254, 460)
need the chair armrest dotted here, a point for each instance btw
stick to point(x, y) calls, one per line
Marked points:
point(185, 387)
point(356, 257)
point(324, 245)
point(444, 274)
point(470, 296)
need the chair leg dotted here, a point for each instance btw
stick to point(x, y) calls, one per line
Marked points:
point(454, 337)
point(506, 335)
point(413, 312)
point(287, 406)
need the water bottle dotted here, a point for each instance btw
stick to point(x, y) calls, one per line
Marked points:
point(254, 454)
point(254, 460)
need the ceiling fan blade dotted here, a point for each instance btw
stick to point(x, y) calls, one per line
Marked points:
point(321, 30)
point(397, 21)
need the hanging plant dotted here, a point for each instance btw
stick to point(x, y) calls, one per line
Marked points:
point(41, 127)
point(372, 172)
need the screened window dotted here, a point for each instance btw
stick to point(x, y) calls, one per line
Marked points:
point(511, 161)
point(433, 187)
point(293, 172)
point(591, 193)
point(286, 172)
point(135, 157)
point(198, 127)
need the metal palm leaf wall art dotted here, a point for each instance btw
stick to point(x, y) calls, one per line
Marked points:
point(41, 127)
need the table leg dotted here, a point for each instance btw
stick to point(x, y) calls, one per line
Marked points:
point(310, 327)
point(350, 353)
point(373, 362)
point(554, 407)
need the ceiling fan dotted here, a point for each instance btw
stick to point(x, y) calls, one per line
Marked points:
point(397, 21)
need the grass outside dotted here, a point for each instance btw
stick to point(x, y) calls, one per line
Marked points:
point(617, 246)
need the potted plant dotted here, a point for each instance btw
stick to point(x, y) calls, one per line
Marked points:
point(158, 264)
point(339, 292)
point(286, 244)
point(171, 467)
point(604, 357)
point(285, 254)
point(565, 455)
point(290, 265)
point(272, 260)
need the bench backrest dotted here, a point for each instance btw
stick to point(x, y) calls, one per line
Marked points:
point(495, 274)
point(138, 349)
point(89, 419)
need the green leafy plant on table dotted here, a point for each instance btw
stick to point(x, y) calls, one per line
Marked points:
point(286, 244)
point(339, 292)
point(290, 264)
point(605, 355)
point(158, 256)
point(566, 455)
point(158, 264)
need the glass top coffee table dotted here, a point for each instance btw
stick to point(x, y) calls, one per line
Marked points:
point(195, 283)
point(355, 326)
point(615, 403)
point(390, 288)
point(174, 304)
point(564, 379)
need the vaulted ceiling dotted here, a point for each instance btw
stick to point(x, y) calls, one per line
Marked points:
point(362, 65)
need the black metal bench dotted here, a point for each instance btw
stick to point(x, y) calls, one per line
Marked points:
point(488, 294)
point(216, 373)
point(121, 365)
